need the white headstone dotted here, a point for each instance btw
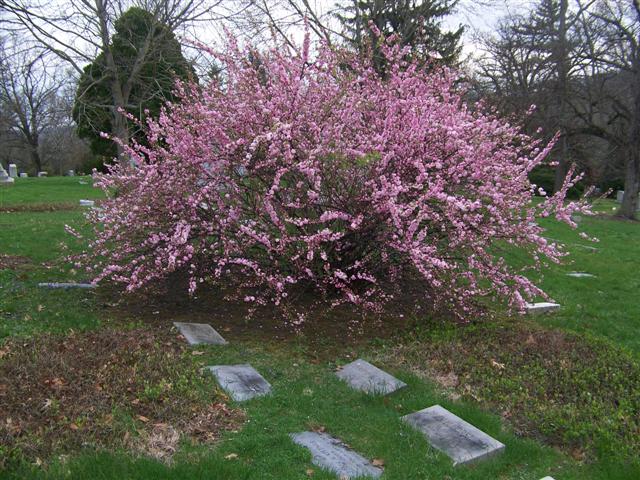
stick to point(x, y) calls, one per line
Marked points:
point(333, 455)
point(619, 196)
point(87, 203)
point(542, 307)
point(24, 175)
point(361, 375)
point(5, 179)
point(71, 173)
point(42, 174)
point(459, 440)
point(13, 170)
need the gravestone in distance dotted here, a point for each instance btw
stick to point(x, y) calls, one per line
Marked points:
point(71, 173)
point(241, 382)
point(24, 175)
point(580, 275)
point(331, 454)
point(361, 375)
point(197, 333)
point(13, 170)
point(66, 286)
point(542, 307)
point(87, 203)
point(448, 433)
point(5, 179)
point(42, 174)
point(619, 196)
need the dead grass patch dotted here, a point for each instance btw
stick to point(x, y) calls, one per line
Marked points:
point(139, 389)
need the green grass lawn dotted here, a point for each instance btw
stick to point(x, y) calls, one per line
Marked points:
point(574, 429)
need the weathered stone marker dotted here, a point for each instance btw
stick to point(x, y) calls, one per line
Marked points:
point(542, 307)
point(197, 333)
point(361, 375)
point(13, 170)
point(619, 196)
point(5, 179)
point(448, 433)
point(580, 275)
point(331, 454)
point(87, 203)
point(24, 175)
point(42, 174)
point(66, 285)
point(241, 382)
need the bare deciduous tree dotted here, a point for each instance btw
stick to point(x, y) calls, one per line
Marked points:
point(28, 91)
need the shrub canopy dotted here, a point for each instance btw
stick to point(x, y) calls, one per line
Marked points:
point(298, 173)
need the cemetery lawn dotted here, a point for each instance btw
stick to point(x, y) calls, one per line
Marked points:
point(95, 387)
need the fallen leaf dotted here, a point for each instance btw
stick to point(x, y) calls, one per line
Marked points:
point(310, 472)
point(378, 462)
point(231, 456)
point(197, 352)
point(497, 365)
point(74, 427)
point(142, 418)
point(40, 308)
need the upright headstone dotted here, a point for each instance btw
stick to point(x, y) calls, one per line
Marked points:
point(42, 174)
point(241, 382)
point(71, 173)
point(619, 196)
point(5, 179)
point(197, 333)
point(24, 175)
point(13, 170)
point(331, 454)
point(461, 441)
point(542, 307)
point(361, 375)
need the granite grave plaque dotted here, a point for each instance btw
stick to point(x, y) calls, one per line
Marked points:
point(361, 375)
point(448, 433)
point(241, 382)
point(66, 285)
point(331, 454)
point(542, 307)
point(87, 203)
point(197, 333)
point(580, 275)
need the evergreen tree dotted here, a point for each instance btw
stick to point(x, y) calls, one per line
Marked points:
point(417, 22)
point(147, 60)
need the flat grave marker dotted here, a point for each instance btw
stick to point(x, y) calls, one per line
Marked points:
point(66, 285)
point(448, 433)
point(361, 375)
point(542, 307)
point(580, 275)
point(331, 454)
point(87, 203)
point(241, 382)
point(197, 333)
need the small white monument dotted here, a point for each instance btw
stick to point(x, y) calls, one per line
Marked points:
point(24, 174)
point(42, 174)
point(619, 196)
point(5, 179)
point(13, 170)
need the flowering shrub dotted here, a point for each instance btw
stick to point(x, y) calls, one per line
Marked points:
point(297, 173)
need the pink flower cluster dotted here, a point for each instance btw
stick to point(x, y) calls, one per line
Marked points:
point(297, 173)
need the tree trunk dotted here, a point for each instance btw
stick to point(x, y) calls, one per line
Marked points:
point(629, 205)
point(562, 70)
point(35, 158)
